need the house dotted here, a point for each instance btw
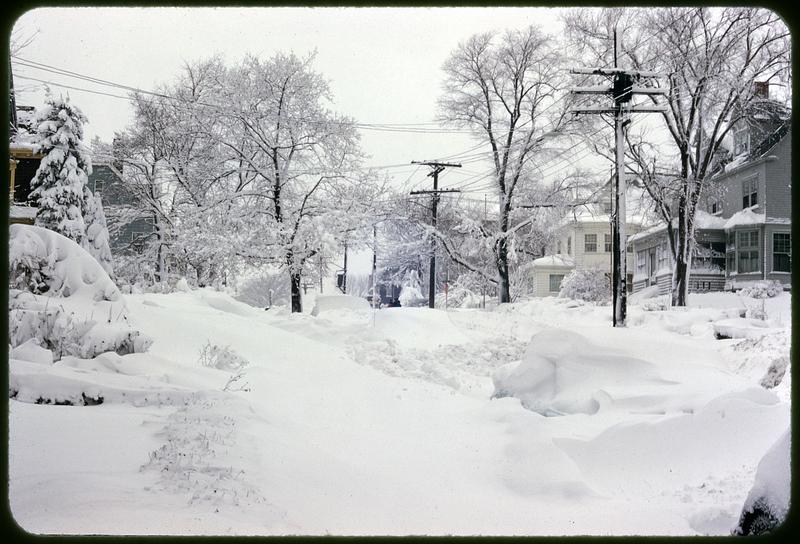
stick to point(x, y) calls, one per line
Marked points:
point(744, 232)
point(584, 240)
point(23, 164)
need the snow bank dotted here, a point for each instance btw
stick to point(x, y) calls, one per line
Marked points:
point(741, 327)
point(327, 303)
point(562, 372)
point(63, 298)
point(137, 379)
point(768, 501)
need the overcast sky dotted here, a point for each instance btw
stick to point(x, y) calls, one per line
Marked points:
point(383, 64)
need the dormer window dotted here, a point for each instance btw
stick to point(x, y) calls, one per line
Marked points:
point(750, 192)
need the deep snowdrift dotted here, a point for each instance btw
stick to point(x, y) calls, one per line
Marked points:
point(351, 425)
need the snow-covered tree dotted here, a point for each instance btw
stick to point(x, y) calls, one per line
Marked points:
point(588, 284)
point(504, 88)
point(96, 240)
point(711, 59)
point(58, 186)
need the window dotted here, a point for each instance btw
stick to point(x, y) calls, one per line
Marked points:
point(607, 206)
point(747, 250)
point(607, 240)
point(641, 262)
point(664, 257)
point(99, 184)
point(590, 243)
point(714, 206)
point(569, 245)
point(741, 139)
point(750, 192)
point(781, 252)
point(555, 282)
point(558, 247)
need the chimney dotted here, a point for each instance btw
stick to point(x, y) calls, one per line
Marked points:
point(761, 89)
point(116, 153)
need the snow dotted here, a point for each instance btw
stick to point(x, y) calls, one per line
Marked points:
point(745, 217)
point(773, 477)
point(31, 351)
point(63, 297)
point(555, 261)
point(326, 303)
point(382, 422)
point(702, 220)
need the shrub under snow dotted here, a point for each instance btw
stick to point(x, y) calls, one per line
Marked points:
point(768, 501)
point(762, 289)
point(61, 297)
point(587, 284)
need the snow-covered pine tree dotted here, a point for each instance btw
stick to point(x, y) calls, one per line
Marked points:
point(96, 240)
point(58, 186)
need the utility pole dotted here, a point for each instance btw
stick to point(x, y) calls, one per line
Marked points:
point(436, 167)
point(622, 91)
point(344, 275)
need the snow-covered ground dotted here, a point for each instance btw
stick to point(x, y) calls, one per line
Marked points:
point(533, 418)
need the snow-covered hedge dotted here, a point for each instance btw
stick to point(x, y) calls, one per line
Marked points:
point(768, 501)
point(61, 297)
point(762, 289)
point(587, 284)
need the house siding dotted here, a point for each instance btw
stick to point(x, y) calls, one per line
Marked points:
point(778, 176)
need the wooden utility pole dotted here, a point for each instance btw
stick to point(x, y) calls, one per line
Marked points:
point(622, 91)
point(436, 167)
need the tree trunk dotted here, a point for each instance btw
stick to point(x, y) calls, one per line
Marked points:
point(502, 271)
point(161, 264)
point(297, 300)
point(680, 274)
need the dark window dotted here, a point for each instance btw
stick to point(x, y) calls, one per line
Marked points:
point(606, 206)
point(781, 252)
point(747, 249)
point(607, 243)
point(555, 282)
point(590, 243)
point(99, 184)
point(749, 192)
point(741, 139)
point(569, 245)
point(558, 247)
point(714, 206)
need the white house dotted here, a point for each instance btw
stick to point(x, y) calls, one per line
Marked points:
point(582, 241)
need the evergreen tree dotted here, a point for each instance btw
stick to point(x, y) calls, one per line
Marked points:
point(96, 240)
point(58, 187)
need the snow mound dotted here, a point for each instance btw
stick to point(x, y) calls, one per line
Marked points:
point(226, 303)
point(338, 302)
point(31, 351)
point(64, 299)
point(562, 373)
point(741, 327)
point(137, 379)
point(768, 501)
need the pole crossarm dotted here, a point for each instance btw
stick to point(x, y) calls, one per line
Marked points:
point(429, 192)
point(634, 109)
point(615, 71)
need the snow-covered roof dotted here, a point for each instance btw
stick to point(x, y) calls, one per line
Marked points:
point(745, 217)
point(702, 220)
point(558, 260)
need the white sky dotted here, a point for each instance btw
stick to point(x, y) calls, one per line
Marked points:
point(383, 64)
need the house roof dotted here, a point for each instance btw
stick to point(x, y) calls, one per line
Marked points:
point(555, 261)
point(702, 220)
point(745, 217)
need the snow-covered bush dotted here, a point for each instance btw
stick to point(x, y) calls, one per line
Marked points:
point(221, 358)
point(658, 304)
point(61, 297)
point(768, 501)
point(587, 284)
point(459, 296)
point(256, 291)
point(762, 289)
